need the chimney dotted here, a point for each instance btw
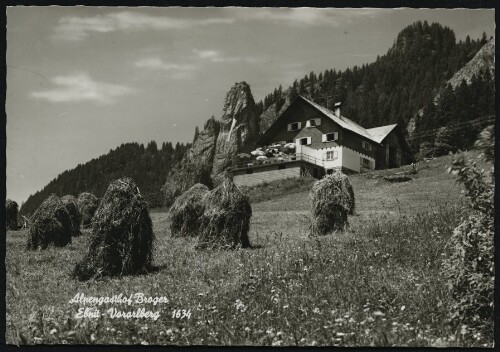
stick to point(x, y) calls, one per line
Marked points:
point(336, 110)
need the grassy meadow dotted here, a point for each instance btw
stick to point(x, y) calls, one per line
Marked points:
point(380, 283)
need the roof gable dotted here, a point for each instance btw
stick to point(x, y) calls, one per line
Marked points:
point(376, 134)
point(344, 122)
point(379, 133)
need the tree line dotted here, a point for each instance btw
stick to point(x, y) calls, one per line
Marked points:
point(147, 165)
point(398, 84)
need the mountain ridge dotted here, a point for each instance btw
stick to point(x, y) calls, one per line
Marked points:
point(390, 90)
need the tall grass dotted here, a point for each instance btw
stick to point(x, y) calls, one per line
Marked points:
point(379, 285)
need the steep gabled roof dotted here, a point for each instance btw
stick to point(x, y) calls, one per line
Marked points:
point(376, 134)
point(379, 133)
point(344, 122)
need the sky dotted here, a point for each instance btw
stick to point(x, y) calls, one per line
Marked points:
point(83, 80)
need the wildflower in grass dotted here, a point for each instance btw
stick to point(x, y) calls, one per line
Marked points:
point(378, 314)
point(316, 310)
point(53, 331)
point(145, 343)
point(240, 306)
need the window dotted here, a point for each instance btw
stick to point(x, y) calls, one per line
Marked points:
point(313, 122)
point(294, 126)
point(330, 137)
point(331, 155)
point(365, 163)
point(366, 145)
point(305, 141)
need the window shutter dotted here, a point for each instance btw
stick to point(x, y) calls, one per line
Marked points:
point(300, 125)
point(318, 121)
point(289, 127)
point(308, 140)
point(323, 138)
point(336, 136)
point(335, 154)
point(308, 123)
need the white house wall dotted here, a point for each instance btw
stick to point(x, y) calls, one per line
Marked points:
point(346, 157)
point(351, 159)
point(320, 155)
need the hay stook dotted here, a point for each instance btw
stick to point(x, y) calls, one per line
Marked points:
point(50, 224)
point(187, 211)
point(71, 204)
point(11, 213)
point(87, 205)
point(332, 199)
point(226, 219)
point(122, 236)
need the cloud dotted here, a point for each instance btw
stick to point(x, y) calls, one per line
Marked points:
point(79, 87)
point(309, 16)
point(207, 54)
point(178, 71)
point(73, 28)
point(217, 56)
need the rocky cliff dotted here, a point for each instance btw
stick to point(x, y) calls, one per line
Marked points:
point(483, 61)
point(270, 115)
point(215, 148)
point(196, 165)
point(239, 128)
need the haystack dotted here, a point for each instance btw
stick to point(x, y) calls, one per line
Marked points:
point(331, 201)
point(350, 201)
point(71, 204)
point(50, 224)
point(122, 234)
point(226, 219)
point(11, 210)
point(87, 205)
point(186, 212)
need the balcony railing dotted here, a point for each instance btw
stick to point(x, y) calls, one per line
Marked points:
point(274, 161)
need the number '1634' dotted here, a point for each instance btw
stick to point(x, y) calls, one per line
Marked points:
point(181, 314)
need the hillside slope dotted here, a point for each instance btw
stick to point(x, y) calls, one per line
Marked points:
point(483, 61)
point(391, 89)
point(289, 289)
point(147, 166)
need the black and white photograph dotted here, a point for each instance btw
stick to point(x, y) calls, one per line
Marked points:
point(250, 176)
